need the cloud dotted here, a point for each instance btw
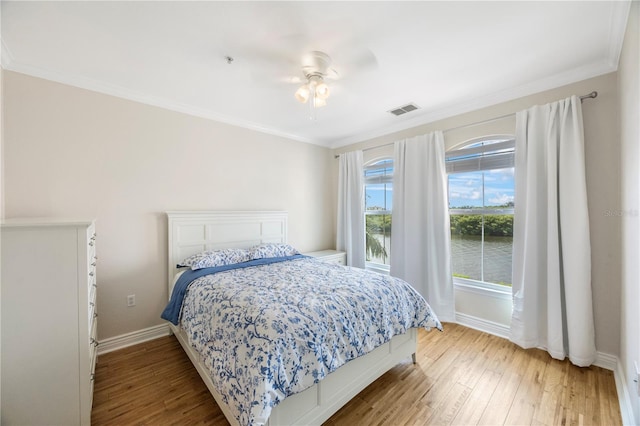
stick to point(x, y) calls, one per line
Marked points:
point(466, 195)
point(502, 199)
point(501, 174)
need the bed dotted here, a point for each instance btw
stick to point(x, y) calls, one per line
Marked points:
point(190, 233)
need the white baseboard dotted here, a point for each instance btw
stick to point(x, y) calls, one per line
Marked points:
point(603, 360)
point(606, 361)
point(623, 396)
point(129, 339)
point(480, 324)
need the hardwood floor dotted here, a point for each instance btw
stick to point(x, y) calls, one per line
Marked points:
point(462, 377)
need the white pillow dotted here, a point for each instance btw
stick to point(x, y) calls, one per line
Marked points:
point(212, 258)
point(267, 250)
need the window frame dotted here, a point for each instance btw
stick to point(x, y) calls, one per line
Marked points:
point(378, 164)
point(507, 142)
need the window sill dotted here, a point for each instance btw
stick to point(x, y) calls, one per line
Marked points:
point(484, 289)
point(468, 286)
point(381, 269)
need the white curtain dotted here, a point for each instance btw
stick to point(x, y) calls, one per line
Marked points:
point(552, 305)
point(350, 233)
point(420, 234)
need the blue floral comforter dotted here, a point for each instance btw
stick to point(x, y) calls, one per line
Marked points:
point(269, 331)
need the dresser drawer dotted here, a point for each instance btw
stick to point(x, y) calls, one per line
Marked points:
point(92, 312)
point(92, 283)
point(92, 291)
point(93, 345)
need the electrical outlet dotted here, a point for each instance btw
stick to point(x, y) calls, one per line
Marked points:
point(131, 300)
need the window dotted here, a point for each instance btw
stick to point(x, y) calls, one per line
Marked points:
point(481, 202)
point(378, 189)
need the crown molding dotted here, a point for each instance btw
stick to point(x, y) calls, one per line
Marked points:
point(617, 29)
point(125, 93)
point(558, 80)
point(572, 76)
point(618, 20)
point(6, 57)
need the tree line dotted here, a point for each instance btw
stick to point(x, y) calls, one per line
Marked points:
point(498, 225)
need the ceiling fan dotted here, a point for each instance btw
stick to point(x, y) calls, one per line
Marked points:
point(316, 66)
point(314, 69)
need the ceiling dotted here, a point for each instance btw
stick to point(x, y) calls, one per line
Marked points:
point(445, 57)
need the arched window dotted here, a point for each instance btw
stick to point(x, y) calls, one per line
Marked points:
point(378, 188)
point(481, 205)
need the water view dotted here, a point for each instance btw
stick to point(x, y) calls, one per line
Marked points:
point(466, 257)
point(481, 203)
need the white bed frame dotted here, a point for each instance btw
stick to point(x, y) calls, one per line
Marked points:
point(191, 232)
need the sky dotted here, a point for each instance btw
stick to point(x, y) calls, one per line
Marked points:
point(375, 196)
point(465, 189)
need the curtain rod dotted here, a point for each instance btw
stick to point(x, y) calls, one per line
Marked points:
point(591, 95)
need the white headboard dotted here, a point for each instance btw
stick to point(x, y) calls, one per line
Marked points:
point(191, 232)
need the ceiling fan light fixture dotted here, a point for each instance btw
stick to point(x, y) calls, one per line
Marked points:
point(322, 91)
point(315, 89)
point(314, 80)
point(318, 102)
point(302, 94)
point(315, 67)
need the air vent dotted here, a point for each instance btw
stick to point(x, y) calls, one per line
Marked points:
point(404, 109)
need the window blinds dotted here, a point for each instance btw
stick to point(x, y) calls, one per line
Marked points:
point(482, 156)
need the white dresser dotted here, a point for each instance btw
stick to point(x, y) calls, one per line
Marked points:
point(331, 256)
point(49, 320)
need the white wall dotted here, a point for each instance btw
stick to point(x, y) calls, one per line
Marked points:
point(603, 178)
point(629, 94)
point(73, 152)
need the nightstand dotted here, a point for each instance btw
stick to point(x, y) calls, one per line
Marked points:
point(330, 256)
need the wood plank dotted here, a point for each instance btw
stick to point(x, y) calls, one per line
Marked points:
point(528, 396)
point(448, 409)
point(473, 410)
point(462, 377)
point(501, 400)
point(553, 389)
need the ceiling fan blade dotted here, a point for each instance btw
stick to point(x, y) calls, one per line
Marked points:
point(272, 66)
point(352, 61)
point(333, 74)
point(366, 60)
